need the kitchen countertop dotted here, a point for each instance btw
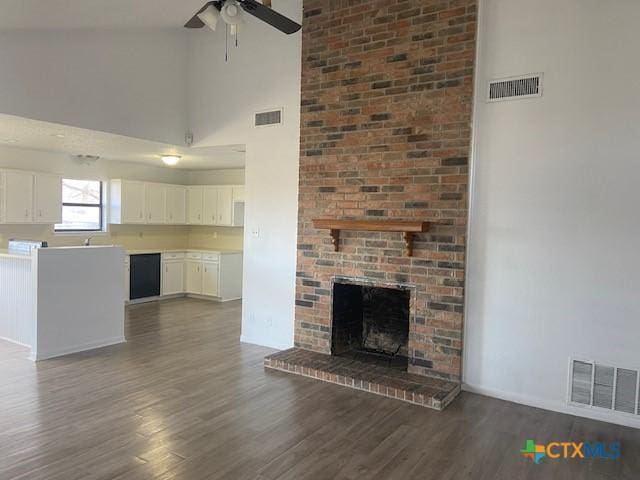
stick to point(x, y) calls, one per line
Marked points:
point(221, 251)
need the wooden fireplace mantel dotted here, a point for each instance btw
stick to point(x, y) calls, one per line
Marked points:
point(407, 228)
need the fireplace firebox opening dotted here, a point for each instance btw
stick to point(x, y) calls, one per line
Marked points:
point(371, 324)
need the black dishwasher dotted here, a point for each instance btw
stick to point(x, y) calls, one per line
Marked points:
point(145, 275)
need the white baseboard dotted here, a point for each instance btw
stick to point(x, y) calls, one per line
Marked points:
point(262, 343)
point(76, 348)
point(586, 412)
point(15, 342)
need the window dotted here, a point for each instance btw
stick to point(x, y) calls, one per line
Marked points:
point(82, 208)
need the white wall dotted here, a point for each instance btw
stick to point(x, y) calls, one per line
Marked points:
point(553, 265)
point(129, 82)
point(231, 176)
point(264, 72)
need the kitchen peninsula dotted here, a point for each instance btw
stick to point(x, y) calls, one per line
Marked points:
point(63, 300)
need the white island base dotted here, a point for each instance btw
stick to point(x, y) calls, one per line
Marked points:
point(62, 300)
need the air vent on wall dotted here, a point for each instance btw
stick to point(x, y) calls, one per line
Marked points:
point(268, 118)
point(605, 387)
point(512, 88)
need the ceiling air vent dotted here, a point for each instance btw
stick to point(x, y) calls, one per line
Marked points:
point(268, 118)
point(513, 88)
point(604, 387)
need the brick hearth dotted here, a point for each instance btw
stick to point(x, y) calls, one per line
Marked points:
point(417, 389)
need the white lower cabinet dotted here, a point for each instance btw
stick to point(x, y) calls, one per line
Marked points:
point(193, 277)
point(210, 279)
point(173, 274)
point(202, 273)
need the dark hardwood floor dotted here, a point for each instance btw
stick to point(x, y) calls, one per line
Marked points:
point(183, 399)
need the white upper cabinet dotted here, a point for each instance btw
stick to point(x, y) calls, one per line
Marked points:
point(194, 205)
point(176, 205)
point(47, 200)
point(27, 197)
point(127, 201)
point(210, 206)
point(225, 206)
point(154, 203)
point(17, 197)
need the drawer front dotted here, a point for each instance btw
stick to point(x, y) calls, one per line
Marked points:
point(173, 256)
point(194, 256)
point(211, 257)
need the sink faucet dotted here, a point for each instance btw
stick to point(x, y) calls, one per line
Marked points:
point(87, 241)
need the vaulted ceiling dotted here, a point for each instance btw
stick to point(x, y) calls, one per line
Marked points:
point(95, 14)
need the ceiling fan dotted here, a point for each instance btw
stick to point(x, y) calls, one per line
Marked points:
point(229, 11)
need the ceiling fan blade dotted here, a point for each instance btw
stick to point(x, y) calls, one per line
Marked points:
point(195, 21)
point(270, 16)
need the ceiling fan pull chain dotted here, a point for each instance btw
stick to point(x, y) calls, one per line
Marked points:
point(226, 42)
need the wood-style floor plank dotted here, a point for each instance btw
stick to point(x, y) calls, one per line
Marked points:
point(185, 400)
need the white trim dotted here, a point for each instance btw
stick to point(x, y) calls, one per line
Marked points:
point(601, 415)
point(15, 342)
point(262, 343)
point(471, 189)
point(37, 356)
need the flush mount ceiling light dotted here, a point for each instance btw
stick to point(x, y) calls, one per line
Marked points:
point(171, 160)
point(210, 16)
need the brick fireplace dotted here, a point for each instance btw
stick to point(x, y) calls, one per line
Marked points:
point(386, 109)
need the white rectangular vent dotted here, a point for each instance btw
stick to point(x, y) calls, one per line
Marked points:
point(526, 86)
point(603, 386)
point(272, 117)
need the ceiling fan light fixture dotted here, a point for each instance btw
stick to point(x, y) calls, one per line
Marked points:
point(210, 17)
point(230, 13)
point(171, 160)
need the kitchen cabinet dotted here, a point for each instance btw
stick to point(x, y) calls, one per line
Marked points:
point(27, 197)
point(210, 278)
point(176, 205)
point(47, 198)
point(16, 195)
point(210, 205)
point(193, 276)
point(127, 202)
point(208, 274)
point(154, 203)
point(194, 205)
point(173, 273)
point(224, 206)
point(151, 203)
